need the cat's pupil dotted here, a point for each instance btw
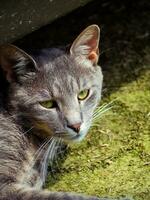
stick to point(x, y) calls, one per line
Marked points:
point(49, 104)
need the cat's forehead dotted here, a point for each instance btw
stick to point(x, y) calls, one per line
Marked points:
point(63, 86)
point(65, 69)
point(64, 76)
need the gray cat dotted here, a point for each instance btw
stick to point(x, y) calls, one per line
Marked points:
point(47, 97)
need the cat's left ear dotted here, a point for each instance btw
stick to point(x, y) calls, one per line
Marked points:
point(86, 44)
point(16, 64)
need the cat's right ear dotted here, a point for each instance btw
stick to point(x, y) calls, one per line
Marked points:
point(16, 63)
point(86, 44)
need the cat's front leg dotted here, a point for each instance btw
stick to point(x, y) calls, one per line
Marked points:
point(17, 192)
point(40, 195)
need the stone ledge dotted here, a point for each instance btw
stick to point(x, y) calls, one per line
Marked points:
point(19, 18)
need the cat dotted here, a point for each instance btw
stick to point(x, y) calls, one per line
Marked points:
point(47, 97)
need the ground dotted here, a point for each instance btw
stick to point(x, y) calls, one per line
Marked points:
point(114, 159)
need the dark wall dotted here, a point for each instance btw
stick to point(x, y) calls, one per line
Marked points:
point(18, 18)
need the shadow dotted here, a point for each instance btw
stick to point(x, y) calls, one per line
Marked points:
point(125, 32)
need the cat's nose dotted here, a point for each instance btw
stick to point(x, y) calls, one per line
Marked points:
point(75, 127)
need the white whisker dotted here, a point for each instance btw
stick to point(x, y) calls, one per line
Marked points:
point(10, 116)
point(101, 110)
point(101, 113)
point(36, 156)
point(28, 130)
point(30, 100)
point(46, 156)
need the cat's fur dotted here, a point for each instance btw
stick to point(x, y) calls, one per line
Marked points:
point(30, 135)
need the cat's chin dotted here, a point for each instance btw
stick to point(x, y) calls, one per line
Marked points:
point(71, 137)
point(77, 137)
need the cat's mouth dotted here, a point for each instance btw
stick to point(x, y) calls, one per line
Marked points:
point(71, 136)
point(68, 137)
point(78, 137)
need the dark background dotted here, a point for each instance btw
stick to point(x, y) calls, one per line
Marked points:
point(125, 36)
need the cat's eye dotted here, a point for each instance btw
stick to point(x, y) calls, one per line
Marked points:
point(83, 94)
point(48, 104)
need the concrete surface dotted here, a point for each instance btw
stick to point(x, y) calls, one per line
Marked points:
point(18, 18)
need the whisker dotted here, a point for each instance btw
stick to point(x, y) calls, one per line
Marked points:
point(94, 125)
point(44, 162)
point(63, 148)
point(34, 159)
point(31, 99)
point(36, 155)
point(100, 111)
point(28, 130)
point(46, 156)
point(10, 116)
point(101, 108)
point(57, 154)
point(61, 134)
point(58, 146)
point(105, 105)
point(52, 153)
point(41, 148)
point(53, 143)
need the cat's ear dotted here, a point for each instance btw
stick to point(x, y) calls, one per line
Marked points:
point(16, 64)
point(86, 44)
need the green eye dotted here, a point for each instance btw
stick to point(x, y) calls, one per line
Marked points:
point(49, 104)
point(83, 94)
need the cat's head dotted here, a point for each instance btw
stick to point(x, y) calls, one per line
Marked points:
point(56, 91)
